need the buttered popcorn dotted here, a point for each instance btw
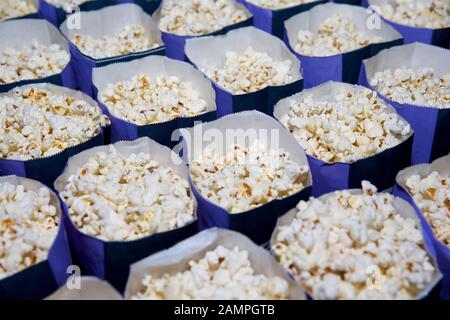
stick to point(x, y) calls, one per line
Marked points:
point(198, 17)
point(279, 4)
point(355, 246)
point(337, 34)
point(16, 8)
point(249, 72)
point(247, 178)
point(35, 123)
point(32, 62)
point(142, 100)
point(419, 87)
point(224, 274)
point(28, 227)
point(345, 127)
point(131, 39)
point(67, 5)
point(431, 194)
point(117, 197)
point(433, 14)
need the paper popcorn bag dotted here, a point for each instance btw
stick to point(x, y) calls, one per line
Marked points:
point(91, 288)
point(107, 22)
point(342, 66)
point(110, 259)
point(244, 129)
point(43, 277)
point(209, 53)
point(21, 34)
point(430, 123)
point(153, 67)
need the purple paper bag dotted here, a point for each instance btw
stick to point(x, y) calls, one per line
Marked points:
point(110, 260)
point(431, 124)
point(149, 6)
point(441, 251)
point(44, 277)
point(338, 67)
point(19, 34)
point(113, 19)
point(207, 52)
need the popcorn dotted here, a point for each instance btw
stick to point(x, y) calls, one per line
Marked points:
point(419, 87)
point(115, 197)
point(247, 178)
point(131, 39)
point(355, 246)
point(28, 226)
point(16, 8)
point(249, 72)
point(432, 196)
point(224, 274)
point(142, 100)
point(336, 35)
point(279, 4)
point(344, 127)
point(432, 14)
point(67, 5)
point(199, 17)
point(38, 123)
point(32, 62)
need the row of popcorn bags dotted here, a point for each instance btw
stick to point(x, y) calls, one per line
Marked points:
point(133, 81)
point(28, 9)
point(46, 167)
point(430, 122)
point(176, 12)
point(177, 259)
point(426, 187)
point(106, 246)
point(36, 254)
point(342, 173)
point(258, 135)
point(343, 66)
point(112, 20)
point(33, 34)
point(211, 55)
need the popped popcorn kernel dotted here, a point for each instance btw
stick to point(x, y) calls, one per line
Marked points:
point(28, 226)
point(114, 197)
point(16, 8)
point(130, 39)
point(336, 35)
point(413, 86)
point(67, 5)
point(142, 100)
point(249, 72)
point(348, 245)
point(247, 178)
point(37, 123)
point(431, 194)
point(221, 274)
point(199, 17)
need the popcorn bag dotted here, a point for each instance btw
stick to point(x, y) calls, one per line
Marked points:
point(253, 203)
point(56, 11)
point(327, 271)
point(330, 171)
point(32, 279)
point(271, 71)
point(90, 288)
point(421, 102)
point(205, 245)
point(137, 116)
point(107, 243)
point(427, 21)
point(105, 36)
point(351, 2)
point(175, 41)
point(47, 55)
point(426, 188)
point(43, 157)
point(270, 17)
point(341, 61)
point(22, 9)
